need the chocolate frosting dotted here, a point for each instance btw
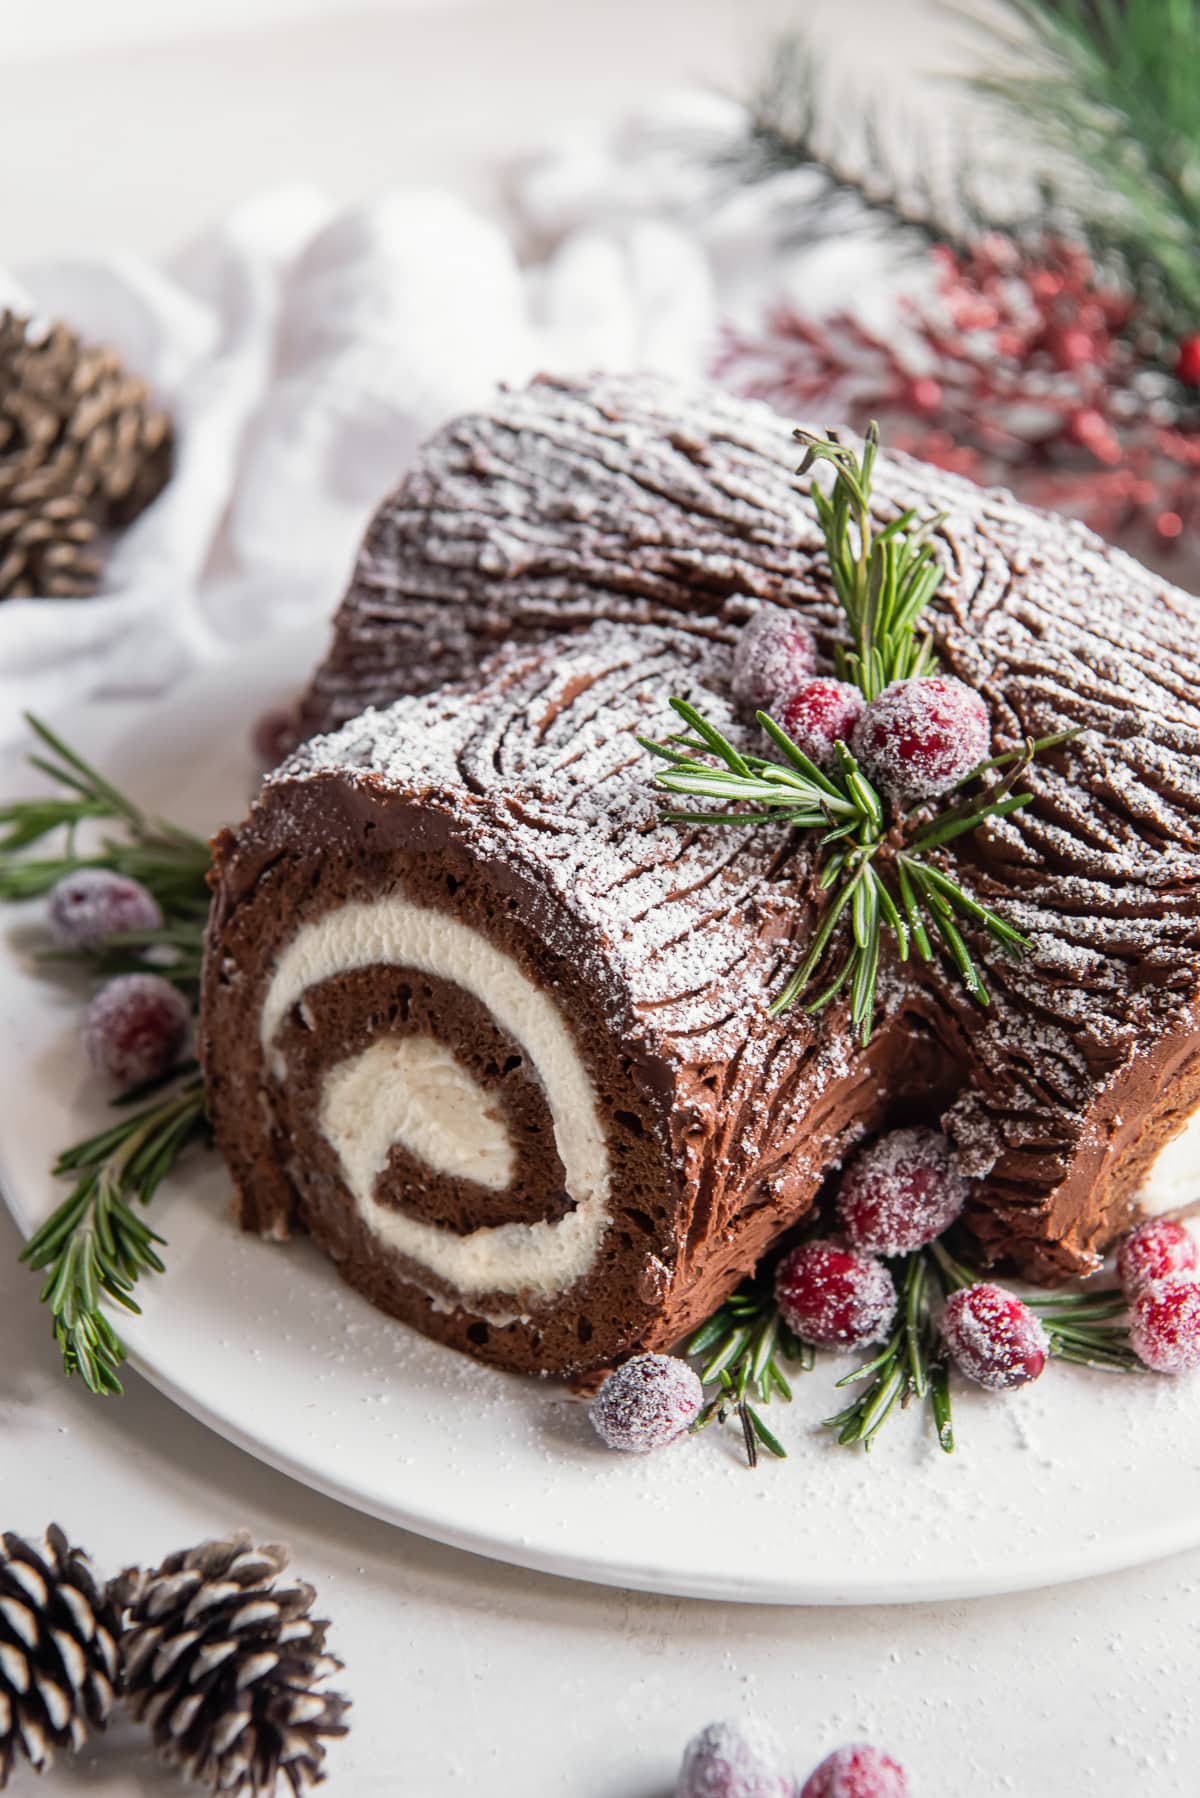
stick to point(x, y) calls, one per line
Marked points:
point(651, 520)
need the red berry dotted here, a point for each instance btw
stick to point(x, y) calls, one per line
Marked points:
point(646, 1403)
point(833, 1296)
point(94, 903)
point(774, 655)
point(859, 1771)
point(901, 1192)
point(1155, 1251)
point(1187, 362)
point(820, 713)
point(1164, 1325)
point(136, 1028)
point(921, 737)
point(993, 1338)
point(734, 1760)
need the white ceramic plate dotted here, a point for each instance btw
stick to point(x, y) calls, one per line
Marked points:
point(1078, 1475)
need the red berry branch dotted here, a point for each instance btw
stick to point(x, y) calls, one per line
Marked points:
point(1027, 367)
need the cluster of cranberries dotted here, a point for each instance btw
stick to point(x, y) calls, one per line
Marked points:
point(1157, 1264)
point(138, 1024)
point(744, 1760)
point(918, 739)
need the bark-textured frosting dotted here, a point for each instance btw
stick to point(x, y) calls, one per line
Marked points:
point(519, 805)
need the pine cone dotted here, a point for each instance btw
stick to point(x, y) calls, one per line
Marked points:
point(58, 1650)
point(223, 1667)
point(82, 450)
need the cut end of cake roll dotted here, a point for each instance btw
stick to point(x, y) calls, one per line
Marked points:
point(497, 1035)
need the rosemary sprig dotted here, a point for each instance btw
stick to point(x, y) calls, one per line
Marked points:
point(171, 862)
point(876, 885)
point(880, 880)
point(94, 1245)
point(883, 579)
point(909, 1366)
point(742, 1345)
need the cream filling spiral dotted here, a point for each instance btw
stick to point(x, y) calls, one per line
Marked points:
point(385, 1095)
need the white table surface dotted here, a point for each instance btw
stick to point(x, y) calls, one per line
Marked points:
point(469, 1677)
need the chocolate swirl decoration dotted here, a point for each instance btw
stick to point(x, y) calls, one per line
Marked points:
point(350, 1059)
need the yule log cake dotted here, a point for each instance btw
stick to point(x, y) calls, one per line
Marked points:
point(498, 1033)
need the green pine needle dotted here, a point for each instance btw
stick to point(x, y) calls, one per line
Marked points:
point(1111, 89)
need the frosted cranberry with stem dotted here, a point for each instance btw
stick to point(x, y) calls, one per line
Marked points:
point(773, 656)
point(833, 1296)
point(1155, 1251)
point(819, 714)
point(994, 1338)
point(857, 1771)
point(646, 1403)
point(922, 736)
point(94, 903)
point(1164, 1325)
point(734, 1760)
point(901, 1192)
point(136, 1029)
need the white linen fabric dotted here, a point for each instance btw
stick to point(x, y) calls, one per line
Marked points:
point(304, 355)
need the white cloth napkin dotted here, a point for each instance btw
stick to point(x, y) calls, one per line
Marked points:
point(305, 354)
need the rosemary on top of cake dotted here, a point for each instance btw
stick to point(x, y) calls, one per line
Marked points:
point(858, 751)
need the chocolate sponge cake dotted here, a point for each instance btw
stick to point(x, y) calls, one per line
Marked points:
point(498, 1035)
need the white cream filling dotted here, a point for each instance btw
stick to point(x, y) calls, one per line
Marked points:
point(411, 1091)
point(537, 1260)
point(1174, 1178)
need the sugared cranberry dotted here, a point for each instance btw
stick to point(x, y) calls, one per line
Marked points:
point(646, 1403)
point(1164, 1325)
point(136, 1028)
point(921, 737)
point(1155, 1251)
point(94, 903)
point(833, 1296)
point(993, 1338)
point(901, 1192)
point(859, 1771)
point(734, 1760)
point(820, 712)
point(774, 655)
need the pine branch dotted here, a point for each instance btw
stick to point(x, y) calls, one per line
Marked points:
point(94, 1246)
point(791, 130)
point(1114, 92)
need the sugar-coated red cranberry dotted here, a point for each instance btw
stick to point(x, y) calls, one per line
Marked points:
point(901, 1192)
point(1155, 1251)
point(646, 1403)
point(818, 714)
point(993, 1338)
point(94, 903)
point(734, 1760)
point(921, 737)
point(774, 655)
point(136, 1028)
point(858, 1771)
point(1164, 1325)
point(834, 1296)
